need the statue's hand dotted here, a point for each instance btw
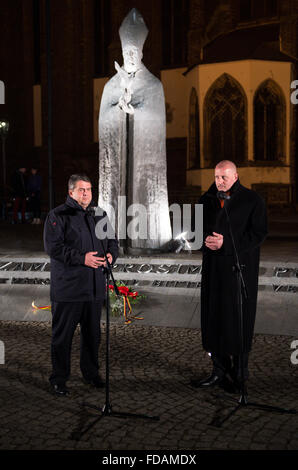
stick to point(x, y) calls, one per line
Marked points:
point(125, 105)
point(125, 98)
point(126, 78)
point(123, 74)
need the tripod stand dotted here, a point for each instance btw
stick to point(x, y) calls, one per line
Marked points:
point(241, 291)
point(106, 410)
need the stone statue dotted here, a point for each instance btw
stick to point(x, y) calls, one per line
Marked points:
point(132, 141)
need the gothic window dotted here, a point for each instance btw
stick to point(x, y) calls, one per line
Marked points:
point(193, 131)
point(225, 122)
point(269, 122)
point(174, 30)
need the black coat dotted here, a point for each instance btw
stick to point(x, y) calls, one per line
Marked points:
point(18, 183)
point(69, 233)
point(219, 312)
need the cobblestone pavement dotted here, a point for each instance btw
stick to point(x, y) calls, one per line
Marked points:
point(150, 369)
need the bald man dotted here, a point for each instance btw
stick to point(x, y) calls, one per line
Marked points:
point(219, 309)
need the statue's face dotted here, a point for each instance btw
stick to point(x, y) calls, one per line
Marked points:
point(132, 58)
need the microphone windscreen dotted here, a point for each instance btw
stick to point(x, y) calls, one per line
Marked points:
point(91, 210)
point(222, 195)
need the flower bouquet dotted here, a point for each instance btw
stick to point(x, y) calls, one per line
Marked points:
point(122, 304)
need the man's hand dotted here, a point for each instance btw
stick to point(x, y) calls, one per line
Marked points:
point(95, 261)
point(110, 258)
point(214, 242)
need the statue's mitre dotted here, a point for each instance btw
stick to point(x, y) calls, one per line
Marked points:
point(133, 30)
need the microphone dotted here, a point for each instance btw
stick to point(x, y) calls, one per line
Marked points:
point(222, 195)
point(91, 210)
point(94, 210)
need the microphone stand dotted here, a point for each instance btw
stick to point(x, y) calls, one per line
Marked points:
point(242, 291)
point(106, 410)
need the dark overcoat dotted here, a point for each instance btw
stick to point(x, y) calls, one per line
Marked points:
point(69, 233)
point(219, 311)
point(18, 183)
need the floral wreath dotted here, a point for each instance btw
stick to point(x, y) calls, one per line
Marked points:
point(118, 303)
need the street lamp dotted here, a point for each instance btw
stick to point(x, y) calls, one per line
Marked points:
point(4, 127)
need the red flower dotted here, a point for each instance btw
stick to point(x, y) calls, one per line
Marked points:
point(124, 291)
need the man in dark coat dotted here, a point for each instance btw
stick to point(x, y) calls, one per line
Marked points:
point(77, 282)
point(219, 308)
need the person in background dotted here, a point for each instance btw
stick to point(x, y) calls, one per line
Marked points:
point(19, 194)
point(34, 192)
